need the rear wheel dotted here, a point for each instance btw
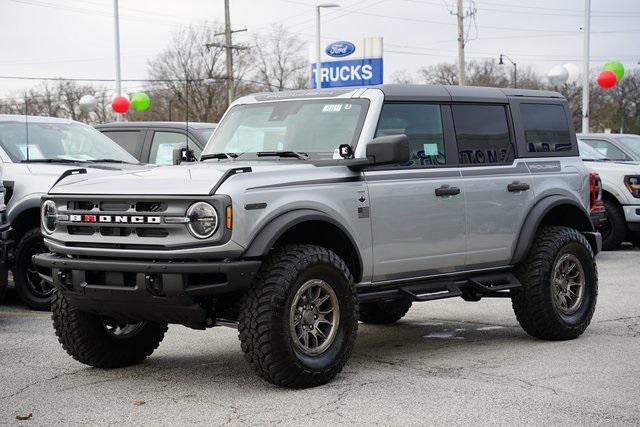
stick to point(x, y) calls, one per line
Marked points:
point(384, 312)
point(559, 285)
point(614, 226)
point(31, 288)
point(298, 322)
point(103, 342)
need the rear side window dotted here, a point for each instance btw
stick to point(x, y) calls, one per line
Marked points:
point(482, 132)
point(546, 128)
point(129, 140)
point(422, 123)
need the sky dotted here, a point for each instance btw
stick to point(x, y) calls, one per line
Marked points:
point(74, 38)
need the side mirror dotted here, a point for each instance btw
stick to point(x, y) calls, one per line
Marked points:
point(390, 149)
point(182, 154)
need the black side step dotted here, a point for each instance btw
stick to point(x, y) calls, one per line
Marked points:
point(471, 288)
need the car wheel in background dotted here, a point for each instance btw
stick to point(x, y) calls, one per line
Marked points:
point(614, 226)
point(30, 287)
point(384, 312)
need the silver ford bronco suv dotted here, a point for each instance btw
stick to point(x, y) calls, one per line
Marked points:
point(312, 210)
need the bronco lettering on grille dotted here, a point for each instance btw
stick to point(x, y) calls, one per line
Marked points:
point(115, 219)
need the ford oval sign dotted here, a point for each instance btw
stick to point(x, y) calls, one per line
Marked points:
point(340, 49)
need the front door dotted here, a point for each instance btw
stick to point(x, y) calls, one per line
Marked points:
point(417, 209)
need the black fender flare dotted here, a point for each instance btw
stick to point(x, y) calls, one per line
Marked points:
point(534, 219)
point(272, 231)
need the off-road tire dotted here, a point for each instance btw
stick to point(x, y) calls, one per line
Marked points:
point(533, 302)
point(264, 320)
point(85, 338)
point(384, 312)
point(21, 264)
point(618, 224)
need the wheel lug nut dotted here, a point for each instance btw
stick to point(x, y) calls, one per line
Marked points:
point(310, 326)
point(315, 316)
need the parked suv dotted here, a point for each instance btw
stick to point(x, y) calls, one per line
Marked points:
point(4, 236)
point(36, 152)
point(313, 209)
point(620, 194)
point(155, 142)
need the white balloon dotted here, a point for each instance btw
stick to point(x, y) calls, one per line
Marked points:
point(574, 72)
point(88, 103)
point(558, 75)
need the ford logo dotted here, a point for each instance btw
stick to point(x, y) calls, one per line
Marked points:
point(340, 49)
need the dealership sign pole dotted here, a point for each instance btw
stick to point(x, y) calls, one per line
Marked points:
point(116, 20)
point(345, 63)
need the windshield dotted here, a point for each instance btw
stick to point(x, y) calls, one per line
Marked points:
point(314, 127)
point(206, 132)
point(587, 152)
point(632, 143)
point(40, 141)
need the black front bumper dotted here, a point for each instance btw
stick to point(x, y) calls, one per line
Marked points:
point(135, 290)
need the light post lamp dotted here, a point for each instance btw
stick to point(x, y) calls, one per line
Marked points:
point(318, 42)
point(515, 68)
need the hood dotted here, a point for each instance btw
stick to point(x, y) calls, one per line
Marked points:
point(40, 177)
point(614, 166)
point(184, 180)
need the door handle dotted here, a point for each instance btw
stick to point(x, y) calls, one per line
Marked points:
point(446, 190)
point(518, 186)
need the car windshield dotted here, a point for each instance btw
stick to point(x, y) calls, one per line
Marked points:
point(587, 152)
point(632, 143)
point(58, 141)
point(314, 127)
point(206, 132)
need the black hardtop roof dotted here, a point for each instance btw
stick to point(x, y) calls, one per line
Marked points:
point(156, 124)
point(417, 92)
point(398, 92)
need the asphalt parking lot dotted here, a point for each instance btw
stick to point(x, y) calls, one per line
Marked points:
point(447, 362)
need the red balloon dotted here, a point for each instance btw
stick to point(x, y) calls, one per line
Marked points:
point(607, 79)
point(120, 104)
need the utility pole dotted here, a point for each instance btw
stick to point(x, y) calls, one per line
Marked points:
point(585, 67)
point(116, 28)
point(460, 16)
point(229, 47)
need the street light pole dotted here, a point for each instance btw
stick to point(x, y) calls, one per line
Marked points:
point(116, 22)
point(318, 76)
point(515, 68)
point(585, 67)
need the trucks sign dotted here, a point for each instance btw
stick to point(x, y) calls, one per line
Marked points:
point(346, 63)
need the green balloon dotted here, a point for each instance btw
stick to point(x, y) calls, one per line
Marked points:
point(140, 101)
point(615, 67)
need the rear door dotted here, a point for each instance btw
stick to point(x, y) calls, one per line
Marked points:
point(498, 190)
point(417, 209)
point(131, 140)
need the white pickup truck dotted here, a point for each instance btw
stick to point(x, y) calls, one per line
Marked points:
point(616, 158)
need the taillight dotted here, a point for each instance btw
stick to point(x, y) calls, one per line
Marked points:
point(595, 192)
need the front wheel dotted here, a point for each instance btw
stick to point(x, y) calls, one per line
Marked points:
point(103, 342)
point(559, 285)
point(30, 287)
point(614, 226)
point(298, 322)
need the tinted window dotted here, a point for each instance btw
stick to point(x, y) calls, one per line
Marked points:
point(164, 143)
point(546, 128)
point(129, 140)
point(422, 123)
point(482, 133)
point(607, 149)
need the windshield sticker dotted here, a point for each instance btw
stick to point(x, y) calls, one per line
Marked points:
point(34, 152)
point(430, 149)
point(332, 108)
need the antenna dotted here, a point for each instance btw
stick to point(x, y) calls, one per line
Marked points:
point(186, 135)
point(26, 121)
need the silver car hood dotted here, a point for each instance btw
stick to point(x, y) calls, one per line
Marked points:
point(187, 179)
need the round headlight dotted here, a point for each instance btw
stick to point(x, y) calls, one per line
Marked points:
point(49, 216)
point(203, 220)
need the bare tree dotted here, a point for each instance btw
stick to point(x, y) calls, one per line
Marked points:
point(280, 60)
point(191, 75)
